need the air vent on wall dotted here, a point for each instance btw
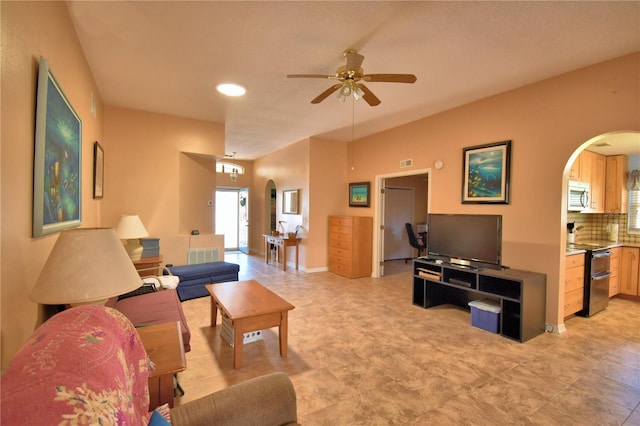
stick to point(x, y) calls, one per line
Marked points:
point(203, 255)
point(406, 163)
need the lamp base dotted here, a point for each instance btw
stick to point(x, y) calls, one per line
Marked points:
point(134, 248)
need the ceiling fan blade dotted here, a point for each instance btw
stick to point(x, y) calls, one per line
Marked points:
point(354, 60)
point(310, 76)
point(322, 96)
point(369, 96)
point(390, 78)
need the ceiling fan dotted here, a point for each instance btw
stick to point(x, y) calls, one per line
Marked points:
point(350, 77)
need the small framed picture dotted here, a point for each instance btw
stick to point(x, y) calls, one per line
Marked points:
point(486, 170)
point(98, 171)
point(359, 194)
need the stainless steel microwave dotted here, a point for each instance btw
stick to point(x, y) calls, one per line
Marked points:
point(578, 196)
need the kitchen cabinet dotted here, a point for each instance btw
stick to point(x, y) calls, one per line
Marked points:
point(574, 172)
point(614, 267)
point(615, 200)
point(350, 245)
point(629, 270)
point(574, 284)
point(584, 163)
point(593, 170)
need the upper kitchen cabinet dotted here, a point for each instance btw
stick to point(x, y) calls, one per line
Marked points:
point(615, 200)
point(574, 173)
point(592, 171)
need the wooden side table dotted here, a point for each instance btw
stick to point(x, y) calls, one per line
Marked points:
point(280, 242)
point(148, 266)
point(163, 343)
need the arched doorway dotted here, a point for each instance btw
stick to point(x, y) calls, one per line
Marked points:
point(600, 163)
point(597, 170)
point(270, 206)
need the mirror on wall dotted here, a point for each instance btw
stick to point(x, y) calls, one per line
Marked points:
point(290, 201)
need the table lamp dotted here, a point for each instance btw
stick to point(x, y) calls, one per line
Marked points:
point(86, 265)
point(130, 228)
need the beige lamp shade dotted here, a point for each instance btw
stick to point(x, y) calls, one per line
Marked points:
point(85, 265)
point(130, 228)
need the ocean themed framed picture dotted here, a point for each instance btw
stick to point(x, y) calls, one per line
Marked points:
point(486, 170)
point(57, 191)
point(359, 194)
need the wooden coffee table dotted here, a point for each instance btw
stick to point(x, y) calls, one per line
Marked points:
point(250, 306)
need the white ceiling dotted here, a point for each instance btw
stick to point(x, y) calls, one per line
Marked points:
point(166, 57)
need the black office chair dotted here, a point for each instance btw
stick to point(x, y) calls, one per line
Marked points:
point(414, 240)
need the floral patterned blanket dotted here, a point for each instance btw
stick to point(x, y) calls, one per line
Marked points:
point(85, 365)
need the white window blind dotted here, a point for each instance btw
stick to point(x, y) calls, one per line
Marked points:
point(634, 212)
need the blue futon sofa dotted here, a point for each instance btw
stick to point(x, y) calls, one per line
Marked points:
point(193, 278)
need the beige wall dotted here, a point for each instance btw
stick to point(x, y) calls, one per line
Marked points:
point(31, 29)
point(163, 169)
point(328, 195)
point(289, 169)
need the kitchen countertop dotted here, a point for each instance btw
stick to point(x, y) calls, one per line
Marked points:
point(579, 247)
point(571, 250)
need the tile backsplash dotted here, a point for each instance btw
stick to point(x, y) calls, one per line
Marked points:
point(594, 226)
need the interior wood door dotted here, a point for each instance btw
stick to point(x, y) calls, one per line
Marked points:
point(398, 210)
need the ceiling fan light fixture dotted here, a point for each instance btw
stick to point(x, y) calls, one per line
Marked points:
point(231, 89)
point(358, 93)
point(349, 76)
point(233, 175)
point(344, 92)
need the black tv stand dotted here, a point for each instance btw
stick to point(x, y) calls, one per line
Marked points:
point(521, 294)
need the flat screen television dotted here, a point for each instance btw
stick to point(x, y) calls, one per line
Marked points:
point(466, 239)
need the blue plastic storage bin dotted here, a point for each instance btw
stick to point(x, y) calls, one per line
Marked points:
point(485, 314)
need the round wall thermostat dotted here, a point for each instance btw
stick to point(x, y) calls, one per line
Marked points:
point(439, 164)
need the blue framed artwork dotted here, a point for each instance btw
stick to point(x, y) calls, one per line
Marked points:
point(57, 195)
point(359, 194)
point(486, 170)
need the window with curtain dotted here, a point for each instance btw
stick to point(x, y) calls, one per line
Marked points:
point(633, 186)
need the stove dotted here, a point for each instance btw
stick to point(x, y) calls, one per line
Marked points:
point(596, 278)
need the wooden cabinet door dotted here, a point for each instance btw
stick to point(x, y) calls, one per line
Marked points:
point(598, 168)
point(629, 270)
point(574, 172)
point(592, 171)
point(614, 280)
point(585, 166)
point(574, 284)
point(615, 194)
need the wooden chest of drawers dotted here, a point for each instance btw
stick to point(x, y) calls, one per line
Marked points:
point(350, 245)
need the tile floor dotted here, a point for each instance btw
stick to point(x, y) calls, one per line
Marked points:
point(361, 354)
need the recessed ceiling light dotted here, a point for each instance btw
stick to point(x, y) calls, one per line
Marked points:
point(231, 89)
